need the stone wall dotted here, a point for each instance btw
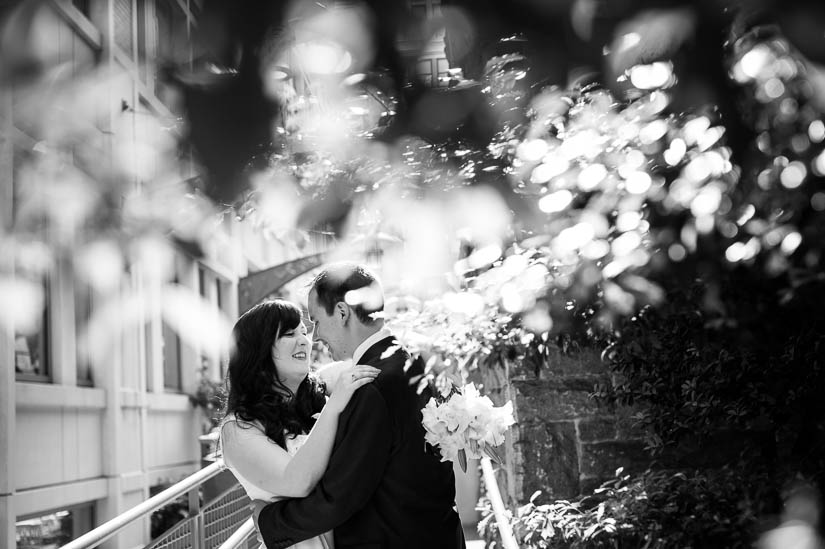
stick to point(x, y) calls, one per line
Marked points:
point(564, 443)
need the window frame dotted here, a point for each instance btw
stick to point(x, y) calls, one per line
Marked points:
point(44, 345)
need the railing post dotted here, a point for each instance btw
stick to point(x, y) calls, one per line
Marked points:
point(198, 537)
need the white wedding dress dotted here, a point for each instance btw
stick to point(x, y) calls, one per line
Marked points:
point(324, 541)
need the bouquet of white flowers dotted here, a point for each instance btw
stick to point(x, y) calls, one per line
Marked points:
point(463, 422)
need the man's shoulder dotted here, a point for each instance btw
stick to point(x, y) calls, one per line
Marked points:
point(387, 350)
point(369, 401)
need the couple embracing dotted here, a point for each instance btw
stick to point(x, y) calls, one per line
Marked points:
point(341, 462)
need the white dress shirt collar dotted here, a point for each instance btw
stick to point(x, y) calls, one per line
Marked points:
point(369, 342)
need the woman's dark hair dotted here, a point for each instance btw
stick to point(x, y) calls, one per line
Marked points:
point(255, 390)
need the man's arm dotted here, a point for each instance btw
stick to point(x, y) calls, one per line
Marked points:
point(355, 468)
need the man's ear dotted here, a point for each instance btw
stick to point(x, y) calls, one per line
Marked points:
point(342, 311)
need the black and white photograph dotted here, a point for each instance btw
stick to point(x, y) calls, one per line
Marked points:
point(412, 274)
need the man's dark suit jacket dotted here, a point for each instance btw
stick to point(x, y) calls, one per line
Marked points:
point(382, 489)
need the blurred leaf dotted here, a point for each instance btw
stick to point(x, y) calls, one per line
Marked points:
point(197, 321)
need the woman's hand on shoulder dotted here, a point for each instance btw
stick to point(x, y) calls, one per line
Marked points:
point(330, 372)
point(347, 382)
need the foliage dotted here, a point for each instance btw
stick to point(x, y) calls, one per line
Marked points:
point(102, 224)
point(605, 191)
point(683, 376)
point(733, 343)
point(656, 509)
point(209, 397)
point(168, 516)
point(690, 373)
point(433, 328)
point(460, 332)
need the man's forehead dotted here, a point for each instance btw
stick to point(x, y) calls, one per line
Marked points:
point(306, 318)
point(312, 304)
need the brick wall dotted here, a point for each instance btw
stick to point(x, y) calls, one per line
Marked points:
point(564, 443)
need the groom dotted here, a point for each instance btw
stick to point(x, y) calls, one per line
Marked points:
point(381, 488)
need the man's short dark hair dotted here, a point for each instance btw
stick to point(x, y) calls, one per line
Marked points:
point(354, 285)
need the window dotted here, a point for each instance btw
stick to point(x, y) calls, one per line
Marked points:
point(54, 529)
point(142, 49)
point(419, 9)
point(163, 16)
point(202, 282)
point(219, 293)
point(171, 31)
point(424, 71)
point(220, 296)
point(172, 380)
point(425, 8)
point(214, 289)
point(123, 17)
point(82, 313)
point(443, 74)
point(31, 350)
point(171, 42)
point(83, 6)
point(171, 360)
point(205, 363)
point(420, 12)
point(433, 71)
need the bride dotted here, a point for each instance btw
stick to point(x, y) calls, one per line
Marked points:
point(279, 427)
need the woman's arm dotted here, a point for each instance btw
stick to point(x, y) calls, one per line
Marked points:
point(270, 467)
point(355, 470)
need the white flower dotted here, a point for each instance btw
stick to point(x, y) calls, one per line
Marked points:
point(466, 421)
point(450, 446)
point(501, 420)
point(432, 419)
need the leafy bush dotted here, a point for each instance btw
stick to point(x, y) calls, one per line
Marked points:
point(657, 509)
point(169, 515)
point(209, 397)
point(752, 364)
point(756, 366)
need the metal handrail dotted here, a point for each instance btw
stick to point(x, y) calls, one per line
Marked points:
point(108, 529)
point(508, 541)
point(112, 527)
point(240, 535)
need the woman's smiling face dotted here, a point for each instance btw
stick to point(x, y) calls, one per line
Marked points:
point(290, 353)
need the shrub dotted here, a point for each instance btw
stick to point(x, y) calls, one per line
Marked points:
point(656, 509)
point(756, 367)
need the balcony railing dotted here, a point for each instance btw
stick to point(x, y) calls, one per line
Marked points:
point(224, 522)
